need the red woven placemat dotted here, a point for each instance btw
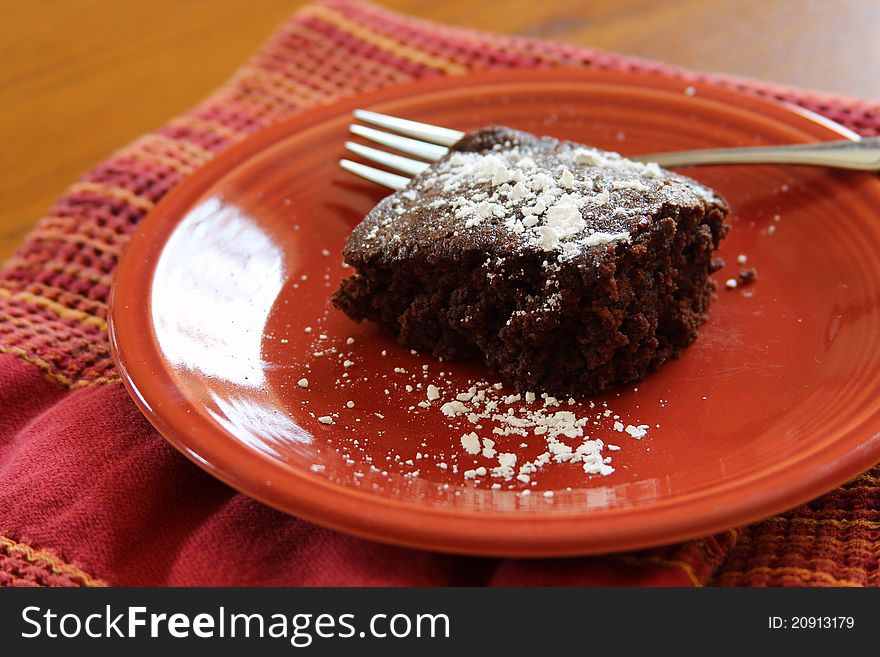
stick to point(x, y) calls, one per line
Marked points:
point(90, 494)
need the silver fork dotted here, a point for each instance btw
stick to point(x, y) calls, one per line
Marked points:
point(429, 143)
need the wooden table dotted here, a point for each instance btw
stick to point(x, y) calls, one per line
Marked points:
point(82, 77)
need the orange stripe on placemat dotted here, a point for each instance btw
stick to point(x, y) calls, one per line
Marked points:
point(155, 158)
point(49, 561)
point(175, 147)
point(39, 233)
point(835, 522)
point(374, 71)
point(178, 154)
point(113, 191)
point(60, 267)
point(801, 574)
point(98, 380)
point(51, 372)
point(292, 92)
point(406, 52)
point(813, 539)
point(278, 98)
point(653, 560)
point(44, 366)
point(863, 574)
point(66, 298)
point(57, 308)
point(199, 123)
point(88, 231)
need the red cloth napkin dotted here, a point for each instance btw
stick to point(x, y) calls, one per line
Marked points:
point(91, 495)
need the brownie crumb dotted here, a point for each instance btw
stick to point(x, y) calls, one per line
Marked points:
point(747, 276)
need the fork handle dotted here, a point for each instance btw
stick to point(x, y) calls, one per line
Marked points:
point(863, 155)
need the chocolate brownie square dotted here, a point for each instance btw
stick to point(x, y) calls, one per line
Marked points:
point(566, 269)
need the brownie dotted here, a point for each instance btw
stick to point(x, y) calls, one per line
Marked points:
point(566, 269)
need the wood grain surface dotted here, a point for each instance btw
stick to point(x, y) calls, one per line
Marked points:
point(82, 77)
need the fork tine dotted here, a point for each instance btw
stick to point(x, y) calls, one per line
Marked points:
point(423, 131)
point(390, 180)
point(403, 144)
point(398, 162)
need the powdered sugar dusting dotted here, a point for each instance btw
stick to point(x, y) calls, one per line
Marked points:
point(502, 439)
point(557, 197)
point(562, 431)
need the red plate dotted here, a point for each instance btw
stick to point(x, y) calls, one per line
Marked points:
point(777, 402)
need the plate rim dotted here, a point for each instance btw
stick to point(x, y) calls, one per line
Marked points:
point(341, 508)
